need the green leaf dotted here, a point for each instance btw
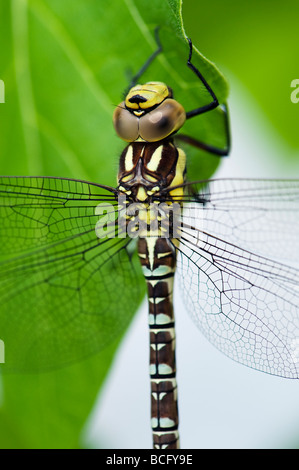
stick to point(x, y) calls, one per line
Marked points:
point(49, 410)
point(65, 66)
point(257, 43)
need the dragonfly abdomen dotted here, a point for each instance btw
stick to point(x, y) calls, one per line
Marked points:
point(158, 260)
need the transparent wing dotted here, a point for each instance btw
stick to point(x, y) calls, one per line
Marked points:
point(64, 292)
point(259, 215)
point(237, 285)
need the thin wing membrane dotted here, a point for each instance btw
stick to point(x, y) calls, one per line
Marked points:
point(238, 288)
point(58, 280)
point(258, 215)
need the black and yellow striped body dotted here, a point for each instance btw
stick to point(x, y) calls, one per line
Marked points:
point(158, 260)
point(146, 169)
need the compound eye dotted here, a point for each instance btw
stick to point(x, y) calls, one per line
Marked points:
point(165, 119)
point(125, 123)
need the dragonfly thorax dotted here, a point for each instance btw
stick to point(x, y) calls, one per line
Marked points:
point(148, 114)
point(147, 169)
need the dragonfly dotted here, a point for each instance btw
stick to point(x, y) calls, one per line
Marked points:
point(73, 254)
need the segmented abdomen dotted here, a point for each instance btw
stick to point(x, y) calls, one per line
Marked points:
point(158, 260)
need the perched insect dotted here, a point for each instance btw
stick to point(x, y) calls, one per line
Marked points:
point(68, 267)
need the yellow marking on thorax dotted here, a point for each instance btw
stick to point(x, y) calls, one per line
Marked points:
point(127, 178)
point(179, 175)
point(129, 159)
point(124, 190)
point(155, 159)
point(163, 255)
point(141, 194)
point(152, 179)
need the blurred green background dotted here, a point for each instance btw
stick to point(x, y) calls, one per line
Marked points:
point(257, 43)
point(57, 121)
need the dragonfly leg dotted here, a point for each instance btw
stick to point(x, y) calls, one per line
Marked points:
point(214, 103)
point(203, 109)
point(210, 148)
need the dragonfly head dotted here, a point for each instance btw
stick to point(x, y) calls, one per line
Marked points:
point(149, 113)
point(143, 98)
